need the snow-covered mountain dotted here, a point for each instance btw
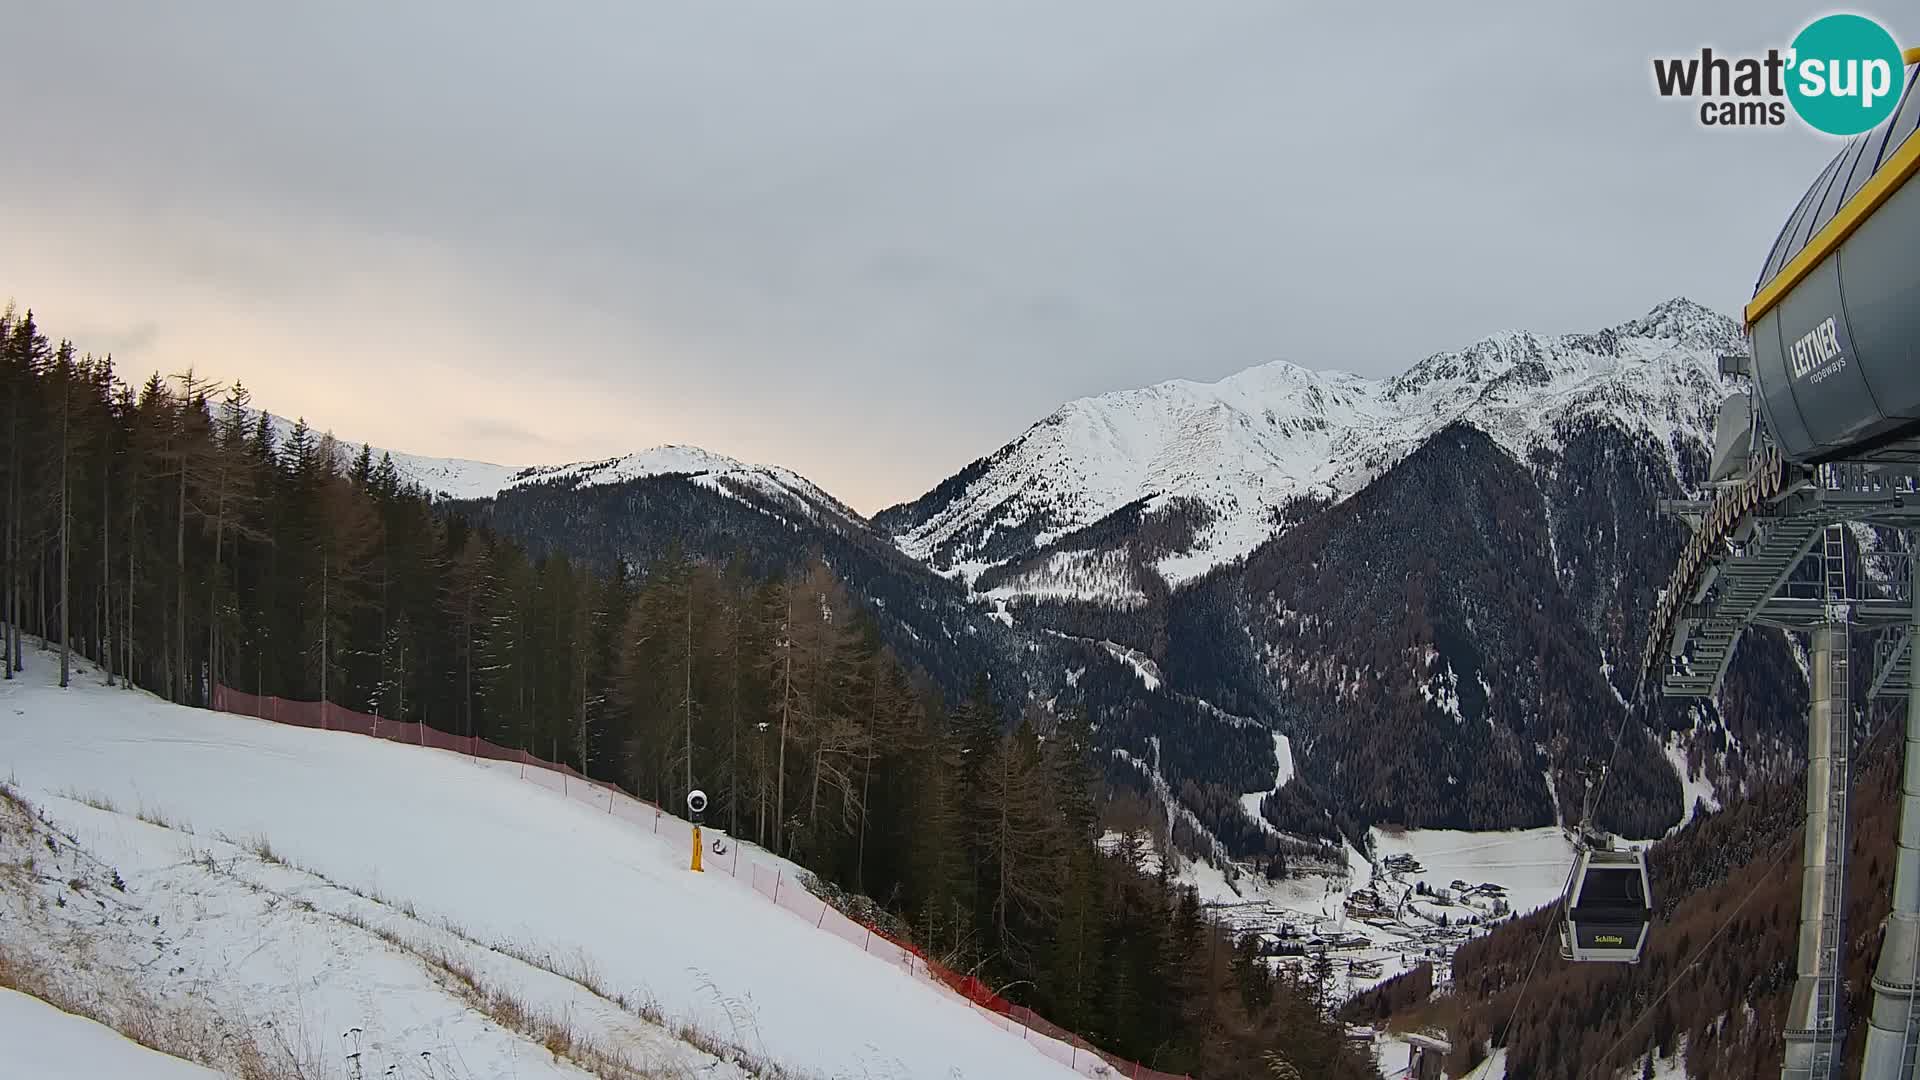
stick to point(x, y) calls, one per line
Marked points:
point(1529, 464)
point(463, 479)
point(1228, 457)
point(717, 472)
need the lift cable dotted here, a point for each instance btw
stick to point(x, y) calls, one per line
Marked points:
point(1588, 804)
point(1764, 879)
point(1786, 849)
point(1592, 802)
point(1547, 934)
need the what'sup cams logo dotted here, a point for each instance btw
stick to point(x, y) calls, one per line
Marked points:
point(1842, 75)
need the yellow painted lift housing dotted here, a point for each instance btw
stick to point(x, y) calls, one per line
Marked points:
point(1835, 316)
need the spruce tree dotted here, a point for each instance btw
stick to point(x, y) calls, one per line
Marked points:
point(186, 547)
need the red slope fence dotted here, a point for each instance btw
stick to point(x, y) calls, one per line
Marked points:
point(770, 882)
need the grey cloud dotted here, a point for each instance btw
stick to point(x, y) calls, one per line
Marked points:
point(496, 431)
point(129, 341)
point(870, 240)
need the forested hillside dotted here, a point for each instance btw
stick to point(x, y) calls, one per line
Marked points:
point(924, 617)
point(1713, 988)
point(1060, 662)
point(167, 534)
point(1439, 639)
point(1441, 647)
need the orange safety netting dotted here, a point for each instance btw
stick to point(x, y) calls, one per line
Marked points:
point(771, 882)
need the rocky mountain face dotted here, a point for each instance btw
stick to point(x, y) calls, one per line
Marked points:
point(1442, 645)
point(1181, 477)
point(1427, 582)
point(1453, 562)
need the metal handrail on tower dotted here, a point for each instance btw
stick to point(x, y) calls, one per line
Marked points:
point(1816, 1023)
point(1893, 1028)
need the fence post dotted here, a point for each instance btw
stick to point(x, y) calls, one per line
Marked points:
point(656, 821)
point(323, 714)
point(736, 857)
point(776, 884)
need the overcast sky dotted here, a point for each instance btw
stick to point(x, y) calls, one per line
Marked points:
point(867, 240)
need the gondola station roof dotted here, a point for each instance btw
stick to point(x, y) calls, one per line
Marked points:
point(1835, 316)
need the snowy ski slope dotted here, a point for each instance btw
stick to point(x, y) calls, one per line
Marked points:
point(471, 845)
point(42, 1042)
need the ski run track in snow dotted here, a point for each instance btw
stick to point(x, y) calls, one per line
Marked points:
point(458, 856)
point(493, 863)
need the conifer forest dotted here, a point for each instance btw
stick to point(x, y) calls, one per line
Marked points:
point(177, 537)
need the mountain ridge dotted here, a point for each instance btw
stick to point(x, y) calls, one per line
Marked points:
point(1232, 454)
point(468, 479)
point(1169, 529)
point(1245, 446)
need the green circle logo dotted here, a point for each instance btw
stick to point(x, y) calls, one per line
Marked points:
point(1845, 74)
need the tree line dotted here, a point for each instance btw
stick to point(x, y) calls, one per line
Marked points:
point(1714, 987)
point(180, 539)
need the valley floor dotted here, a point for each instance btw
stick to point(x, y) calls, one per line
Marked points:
point(1526, 867)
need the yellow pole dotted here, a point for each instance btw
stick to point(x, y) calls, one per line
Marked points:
point(696, 850)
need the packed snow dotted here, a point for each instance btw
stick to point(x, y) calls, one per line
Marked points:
point(1283, 754)
point(281, 955)
point(1695, 790)
point(1393, 1051)
point(1247, 444)
point(1142, 664)
point(1531, 865)
point(1393, 1056)
point(451, 854)
point(40, 1041)
point(1423, 894)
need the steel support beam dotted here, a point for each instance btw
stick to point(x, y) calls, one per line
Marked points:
point(1814, 1028)
point(1893, 1031)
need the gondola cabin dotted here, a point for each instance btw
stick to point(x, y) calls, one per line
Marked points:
point(1608, 910)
